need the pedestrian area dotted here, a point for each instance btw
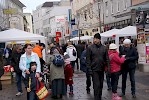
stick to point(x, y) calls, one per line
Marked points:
point(142, 86)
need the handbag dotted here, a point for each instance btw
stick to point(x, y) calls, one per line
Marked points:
point(41, 90)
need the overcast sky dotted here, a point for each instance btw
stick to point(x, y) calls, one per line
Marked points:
point(32, 4)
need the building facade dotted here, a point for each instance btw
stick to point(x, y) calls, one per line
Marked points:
point(11, 14)
point(85, 14)
point(117, 13)
point(29, 19)
point(136, 2)
point(52, 19)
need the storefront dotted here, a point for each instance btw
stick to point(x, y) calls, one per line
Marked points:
point(142, 23)
point(117, 25)
point(91, 31)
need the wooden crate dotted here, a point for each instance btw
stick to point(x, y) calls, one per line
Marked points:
point(6, 78)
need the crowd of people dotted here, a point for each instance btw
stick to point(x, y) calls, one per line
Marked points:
point(94, 59)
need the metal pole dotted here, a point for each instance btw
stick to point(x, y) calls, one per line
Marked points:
point(99, 10)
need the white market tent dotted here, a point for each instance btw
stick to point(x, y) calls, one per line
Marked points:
point(127, 31)
point(81, 38)
point(109, 33)
point(19, 35)
point(14, 35)
point(86, 37)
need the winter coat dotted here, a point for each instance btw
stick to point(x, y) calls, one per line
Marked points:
point(1, 67)
point(115, 61)
point(34, 80)
point(56, 72)
point(37, 49)
point(15, 62)
point(79, 49)
point(131, 57)
point(83, 66)
point(22, 63)
point(69, 51)
point(97, 57)
point(68, 71)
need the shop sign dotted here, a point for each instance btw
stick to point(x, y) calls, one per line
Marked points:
point(10, 11)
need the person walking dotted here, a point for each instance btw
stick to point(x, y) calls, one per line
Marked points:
point(57, 75)
point(96, 60)
point(38, 49)
point(80, 48)
point(16, 54)
point(115, 62)
point(24, 64)
point(68, 71)
point(71, 51)
point(129, 66)
point(84, 68)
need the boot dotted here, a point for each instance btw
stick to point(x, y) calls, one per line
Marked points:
point(116, 97)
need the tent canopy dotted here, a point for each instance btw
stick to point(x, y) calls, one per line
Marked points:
point(109, 33)
point(127, 31)
point(86, 37)
point(18, 35)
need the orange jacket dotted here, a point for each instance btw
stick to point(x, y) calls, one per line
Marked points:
point(37, 49)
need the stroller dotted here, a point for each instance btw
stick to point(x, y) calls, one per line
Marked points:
point(46, 75)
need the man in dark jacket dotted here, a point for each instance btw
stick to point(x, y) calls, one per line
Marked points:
point(16, 54)
point(129, 66)
point(96, 58)
point(80, 48)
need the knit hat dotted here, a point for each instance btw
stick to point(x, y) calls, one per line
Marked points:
point(66, 56)
point(97, 36)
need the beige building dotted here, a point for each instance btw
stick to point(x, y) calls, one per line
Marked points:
point(85, 13)
point(135, 2)
point(11, 14)
point(29, 20)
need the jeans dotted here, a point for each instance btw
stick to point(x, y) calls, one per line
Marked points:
point(114, 81)
point(88, 81)
point(98, 77)
point(108, 79)
point(19, 82)
point(132, 80)
point(32, 96)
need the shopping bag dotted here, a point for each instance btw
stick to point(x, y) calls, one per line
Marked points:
point(41, 91)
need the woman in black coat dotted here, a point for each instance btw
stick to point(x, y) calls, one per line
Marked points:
point(1, 68)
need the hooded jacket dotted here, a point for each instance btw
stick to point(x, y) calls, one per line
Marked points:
point(69, 51)
point(115, 61)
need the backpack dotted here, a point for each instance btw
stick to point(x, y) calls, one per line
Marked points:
point(58, 60)
point(74, 52)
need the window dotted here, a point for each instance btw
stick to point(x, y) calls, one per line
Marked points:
point(106, 4)
point(118, 6)
point(112, 7)
point(125, 4)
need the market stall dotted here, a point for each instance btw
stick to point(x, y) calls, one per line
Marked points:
point(15, 35)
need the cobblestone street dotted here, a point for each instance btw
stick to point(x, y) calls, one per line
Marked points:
point(9, 91)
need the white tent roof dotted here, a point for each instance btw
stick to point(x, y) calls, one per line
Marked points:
point(74, 39)
point(109, 33)
point(127, 31)
point(86, 37)
point(18, 35)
